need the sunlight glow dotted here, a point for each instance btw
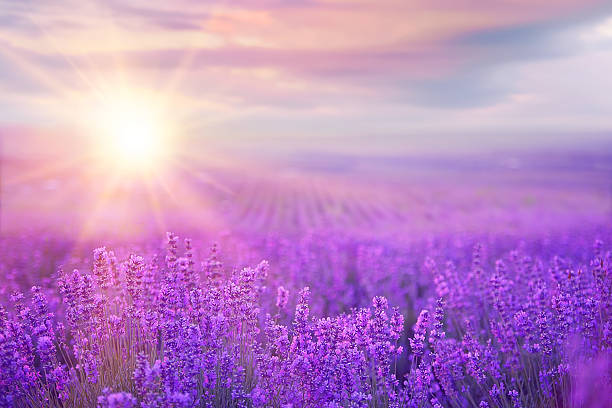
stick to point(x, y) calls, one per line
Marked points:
point(131, 132)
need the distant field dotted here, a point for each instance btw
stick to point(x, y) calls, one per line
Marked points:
point(387, 283)
point(368, 194)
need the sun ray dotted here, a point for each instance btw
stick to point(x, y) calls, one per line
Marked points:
point(45, 171)
point(39, 75)
point(156, 207)
point(201, 176)
point(88, 229)
point(58, 49)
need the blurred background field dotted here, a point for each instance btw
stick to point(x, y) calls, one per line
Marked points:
point(377, 195)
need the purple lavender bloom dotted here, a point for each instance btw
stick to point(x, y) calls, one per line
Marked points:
point(417, 342)
point(116, 400)
point(282, 297)
point(530, 330)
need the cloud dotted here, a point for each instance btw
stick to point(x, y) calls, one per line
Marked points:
point(481, 79)
point(395, 64)
point(168, 19)
point(465, 89)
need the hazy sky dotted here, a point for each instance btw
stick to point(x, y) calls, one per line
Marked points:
point(359, 75)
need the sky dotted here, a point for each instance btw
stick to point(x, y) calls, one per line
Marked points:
point(357, 76)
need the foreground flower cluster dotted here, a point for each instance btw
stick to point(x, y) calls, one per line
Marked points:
point(172, 332)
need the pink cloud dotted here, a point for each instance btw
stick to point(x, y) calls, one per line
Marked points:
point(294, 54)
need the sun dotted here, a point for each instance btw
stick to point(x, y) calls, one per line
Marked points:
point(131, 132)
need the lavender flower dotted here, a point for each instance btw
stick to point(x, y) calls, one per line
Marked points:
point(417, 342)
point(282, 297)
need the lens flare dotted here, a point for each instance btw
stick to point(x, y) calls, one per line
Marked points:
point(131, 132)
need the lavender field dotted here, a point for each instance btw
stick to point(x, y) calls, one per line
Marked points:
point(310, 296)
point(305, 204)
